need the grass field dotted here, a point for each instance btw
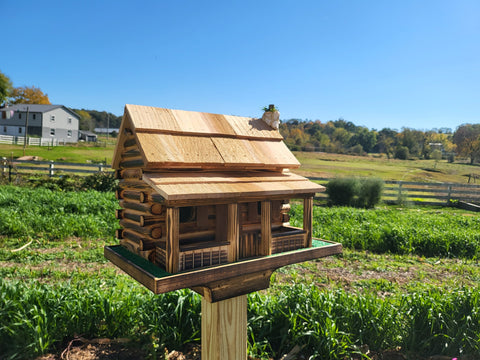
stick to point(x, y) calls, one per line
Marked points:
point(79, 153)
point(313, 164)
point(56, 286)
point(334, 165)
point(407, 280)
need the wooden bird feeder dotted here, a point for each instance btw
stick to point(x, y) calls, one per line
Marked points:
point(204, 205)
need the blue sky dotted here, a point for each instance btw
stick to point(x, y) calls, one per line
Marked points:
point(375, 63)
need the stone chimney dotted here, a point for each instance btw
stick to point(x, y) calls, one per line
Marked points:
point(271, 116)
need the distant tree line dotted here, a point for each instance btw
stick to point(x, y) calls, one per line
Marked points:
point(344, 137)
point(91, 119)
point(336, 136)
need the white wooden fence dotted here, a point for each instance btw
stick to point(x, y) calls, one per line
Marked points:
point(421, 193)
point(16, 167)
point(20, 140)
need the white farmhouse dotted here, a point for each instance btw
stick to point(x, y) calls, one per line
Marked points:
point(45, 121)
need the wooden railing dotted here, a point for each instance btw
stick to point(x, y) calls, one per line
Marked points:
point(20, 140)
point(51, 168)
point(420, 193)
point(393, 192)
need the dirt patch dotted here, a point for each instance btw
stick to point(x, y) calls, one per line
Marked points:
point(29, 158)
point(111, 350)
point(96, 352)
point(117, 349)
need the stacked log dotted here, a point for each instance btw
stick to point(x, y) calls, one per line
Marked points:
point(142, 214)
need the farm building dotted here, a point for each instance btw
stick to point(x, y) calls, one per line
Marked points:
point(45, 121)
point(200, 189)
point(87, 136)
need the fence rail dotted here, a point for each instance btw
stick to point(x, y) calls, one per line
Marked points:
point(17, 167)
point(421, 193)
point(394, 191)
point(20, 140)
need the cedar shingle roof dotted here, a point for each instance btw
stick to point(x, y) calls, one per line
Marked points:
point(177, 139)
point(240, 157)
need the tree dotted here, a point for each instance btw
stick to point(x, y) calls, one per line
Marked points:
point(86, 121)
point(364, 137)
point(412, 139)
point(29, 95)
point(386, 141)
point(5, 87)
point(467, 139)
point(402, 153)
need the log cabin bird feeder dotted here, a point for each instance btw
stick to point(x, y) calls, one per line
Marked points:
point(205, 201)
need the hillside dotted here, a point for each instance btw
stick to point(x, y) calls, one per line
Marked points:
point(335, 165)
point(314, 164)
point(91, 119)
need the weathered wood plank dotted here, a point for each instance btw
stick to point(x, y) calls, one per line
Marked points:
point(228, 200)
point(214, 177)
point(266, 229)
point(243, 154)
point(252, 128)
point(151, 119)
point(169, 282)
point(240, 285)
point(164, 150)
point(229, 189)
point(233, 232)
point(173, 243)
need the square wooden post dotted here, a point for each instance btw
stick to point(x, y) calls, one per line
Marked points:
point(266, 228)
point(172, 261)
point(233, 232)
point(308, 220)
point(224, 329)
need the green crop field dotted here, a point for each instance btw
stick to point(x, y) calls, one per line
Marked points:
point(407, 282)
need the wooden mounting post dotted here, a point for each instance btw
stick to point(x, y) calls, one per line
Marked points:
point(224, 329)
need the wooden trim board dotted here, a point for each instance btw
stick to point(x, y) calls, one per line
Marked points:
point(214, 186)
point(159, 281)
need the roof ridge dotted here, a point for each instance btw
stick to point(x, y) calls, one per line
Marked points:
point(204, 134)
